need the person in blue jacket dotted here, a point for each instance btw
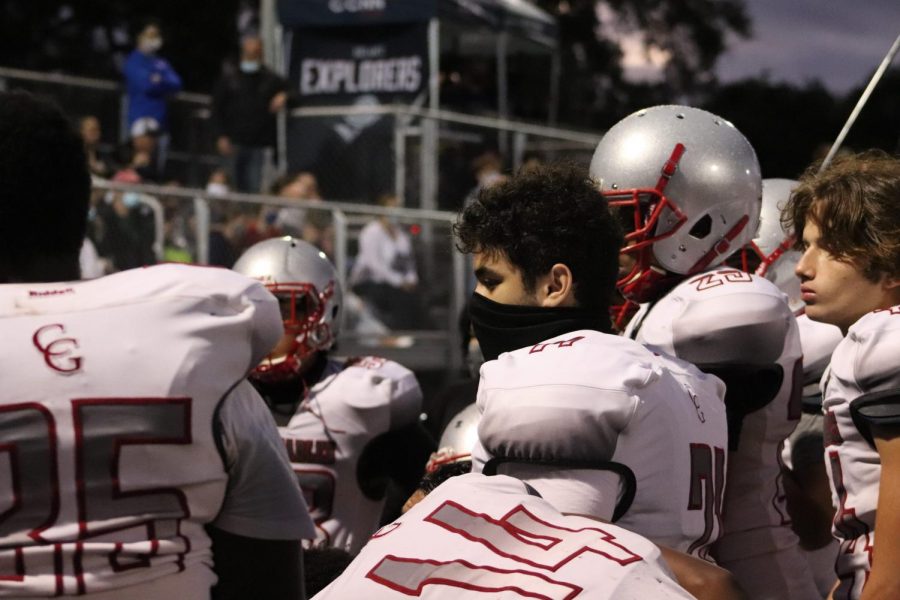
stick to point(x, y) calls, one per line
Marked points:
point(149, 81)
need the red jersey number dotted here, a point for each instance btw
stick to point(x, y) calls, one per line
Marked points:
point(541, 548)
point(103, 428)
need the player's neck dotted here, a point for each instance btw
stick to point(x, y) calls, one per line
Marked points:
point(41, 269)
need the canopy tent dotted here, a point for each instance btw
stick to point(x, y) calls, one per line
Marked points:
point(469, 27)
point(525, 21)
point(370, 52)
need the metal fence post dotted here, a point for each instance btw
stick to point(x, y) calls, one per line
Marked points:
point(457, 305)
point(400, 158)
point(159, 223)
point(341, 239)
point(201, 229)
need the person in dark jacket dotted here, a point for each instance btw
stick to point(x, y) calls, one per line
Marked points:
point(245, 103)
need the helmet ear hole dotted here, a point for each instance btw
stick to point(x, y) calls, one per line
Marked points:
point(701, 228)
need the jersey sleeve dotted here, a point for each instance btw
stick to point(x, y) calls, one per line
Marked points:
point(874, 387)
point(263, 499)
point(373, 380)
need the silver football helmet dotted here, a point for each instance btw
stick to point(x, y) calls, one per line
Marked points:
point(773, 245)
point(306, 285)
point(457, 439)
point(687, 187)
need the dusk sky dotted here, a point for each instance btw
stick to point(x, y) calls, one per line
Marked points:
point(839, 42)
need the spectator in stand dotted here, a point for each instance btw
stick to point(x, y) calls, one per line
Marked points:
point(245, 103)
point(486, 168)
point(217, 184)
point(141, 153)
point(300, 186)
point(384, 274)
point(124, 227)
point(312, 225)
point(98, 163)
point(150, 81)
point(227, 222)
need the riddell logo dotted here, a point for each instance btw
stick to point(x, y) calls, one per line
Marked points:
point(42, 293)
point(57, 351)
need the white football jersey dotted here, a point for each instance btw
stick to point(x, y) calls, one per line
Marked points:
point(354, 403)
point(728, 318)
point(594, 397)
point(477, 537)
point(864, 362)
point(112, 454)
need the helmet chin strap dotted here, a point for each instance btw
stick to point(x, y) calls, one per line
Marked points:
point(768, 261)
point(721, 247)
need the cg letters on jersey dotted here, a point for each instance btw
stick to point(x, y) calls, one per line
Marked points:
point(57, 348)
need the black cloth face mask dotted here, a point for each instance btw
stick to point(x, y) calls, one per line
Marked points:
point(506, 327)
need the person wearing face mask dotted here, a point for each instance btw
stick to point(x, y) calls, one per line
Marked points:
point(384, 273)
point(245, 103)
point(545, 253)
point(150, 81)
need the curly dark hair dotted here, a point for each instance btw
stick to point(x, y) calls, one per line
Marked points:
point(444, 472)
point(543, 216)
point(46, 189)
point(855, 203)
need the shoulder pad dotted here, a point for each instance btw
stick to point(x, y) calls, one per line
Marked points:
point(879, 409)
point(742, 329)
point(877, 337)
point(585, 358)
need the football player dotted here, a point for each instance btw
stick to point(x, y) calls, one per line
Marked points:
point(453, 458)
point(849, 229)
point(687, 187)
point(350, 424)
point(496, 537)
point(545, 255)
point(137, 462)
point(806, 482)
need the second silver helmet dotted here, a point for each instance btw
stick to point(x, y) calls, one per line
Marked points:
point(687, 185)
point(774, 246)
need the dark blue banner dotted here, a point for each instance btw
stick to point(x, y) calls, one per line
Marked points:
point(337, 65)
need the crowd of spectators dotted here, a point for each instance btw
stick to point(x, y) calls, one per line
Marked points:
point(122, 231)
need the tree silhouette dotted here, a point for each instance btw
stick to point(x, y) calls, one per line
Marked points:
point(691, 33)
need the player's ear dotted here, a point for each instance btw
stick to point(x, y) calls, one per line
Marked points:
point(558, 287)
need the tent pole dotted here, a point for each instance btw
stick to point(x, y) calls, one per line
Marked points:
point(429, 147)
point(434, 66)
point(555, 76)
point(503, 88)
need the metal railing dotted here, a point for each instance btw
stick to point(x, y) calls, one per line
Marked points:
point(424, 145)
point(423, 154)
point(107, 100)
point(422, 348)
